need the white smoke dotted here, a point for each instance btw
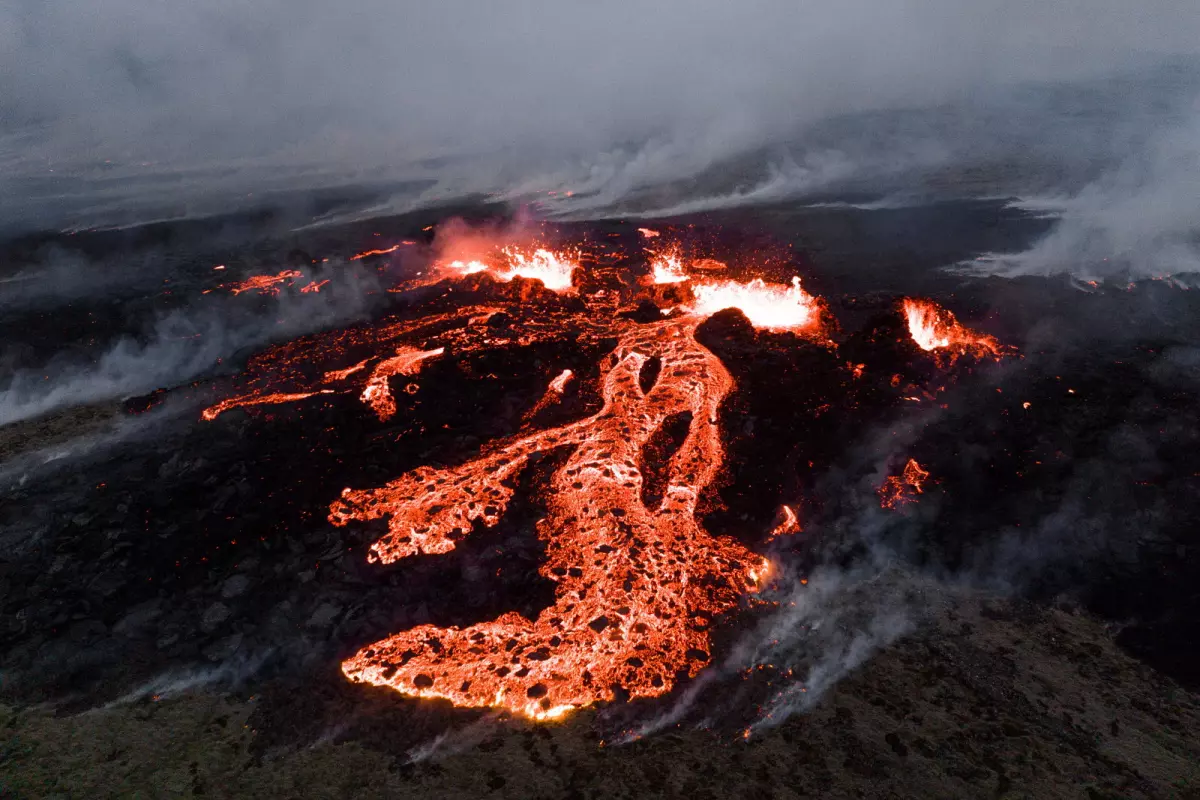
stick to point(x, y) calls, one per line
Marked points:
point(179, 346)
point(1141, 220)
point(175, 682)
point(179, 100)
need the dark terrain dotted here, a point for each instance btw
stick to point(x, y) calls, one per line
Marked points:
point(175, 603)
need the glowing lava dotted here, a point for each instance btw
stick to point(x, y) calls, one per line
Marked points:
point(788, 524)
point(468, 267)
point(637, 587)
point(766, 305)
point(212, 412)
point(667, 268)
point(368, 253)
point(407, 361)
point(898, 490)
point(283, 374)
point(639, 584)
point(934, 328)
point(553, 269)
point(264, 284)
point(559, 384)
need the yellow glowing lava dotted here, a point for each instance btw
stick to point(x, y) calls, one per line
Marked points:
point(766, 305)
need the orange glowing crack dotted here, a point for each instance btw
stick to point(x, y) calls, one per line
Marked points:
point(898, 490)
point(342, 374)
point(264, 284)
point(637, 588)
point(212, 412)
point(407, 361)
point(280, 374)
point(366, 253)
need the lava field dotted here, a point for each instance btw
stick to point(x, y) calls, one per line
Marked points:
point(540, 469)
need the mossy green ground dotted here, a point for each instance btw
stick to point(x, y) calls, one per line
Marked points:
point(980, 702)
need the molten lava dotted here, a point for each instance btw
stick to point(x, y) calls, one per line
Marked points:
point(667, 268)
point(283, 374)
point(638, 582)
point(766, 305)
point(553, 269)
point(368, 253)
point(264, 284)
point(559, 384)
point(934, 328)
point(788, 524)
point(407, 361)
point(212, 412)
point(898, 490)
point(636, 586)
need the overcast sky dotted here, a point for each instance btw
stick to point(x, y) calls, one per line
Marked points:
point(191, 82)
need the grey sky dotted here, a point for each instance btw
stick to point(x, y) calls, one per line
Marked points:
point(188, 82)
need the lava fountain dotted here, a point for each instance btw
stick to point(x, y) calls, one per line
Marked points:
point(934, 328)
point(766, 305)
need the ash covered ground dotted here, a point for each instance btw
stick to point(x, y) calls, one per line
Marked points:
point(1026, 625)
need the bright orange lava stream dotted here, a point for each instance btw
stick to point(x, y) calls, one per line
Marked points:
point(935, 328)
point(383, 252)
point(279, 374)
point(637, 587)
point(212, 412)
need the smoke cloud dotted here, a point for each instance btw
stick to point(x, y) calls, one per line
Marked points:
point(179, 346)
point(1142, 219)
point(179, 101)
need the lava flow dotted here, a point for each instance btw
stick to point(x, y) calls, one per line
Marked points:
point(407, 361)
point(639, 583)
point(283, 374)
point(265, 284)
point(898, 490)
point(636, 587)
